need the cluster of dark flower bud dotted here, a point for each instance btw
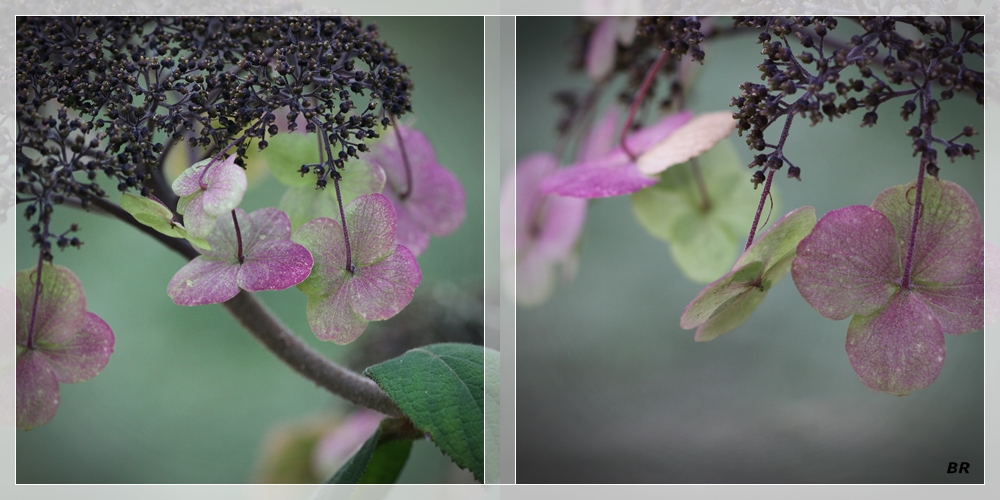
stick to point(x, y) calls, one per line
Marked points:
point(113, 95)
point(681, 37)
point(807, 80)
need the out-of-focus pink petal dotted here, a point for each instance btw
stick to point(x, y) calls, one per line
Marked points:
point(849, 264)
point(381, 290)
point(437, 203)
point(37, 391)
point(84, 356)
point(274, 265)
point(688, 141)
point(600, 140)
point(898, 349)
point(560, 224)
point(336, 446)
point(615, 175)
point(408, 233)
point(641, 140)
point(204, 281)
point(535, 278)
point(601, 45)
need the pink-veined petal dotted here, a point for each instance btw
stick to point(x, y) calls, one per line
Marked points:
point(332, 319)
point(380, 291)
point(371, 226)
point(898, 349)
point(264, 224)
point(957, 305)
point(324, 238)
point(37, 391)
point(611, 176)
point(85, 355)
point(274, 265)
point(204, 281)
point(849, 264)
point(61, 307)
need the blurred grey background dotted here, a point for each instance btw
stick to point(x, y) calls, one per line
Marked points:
point(611, 390)
point(188, 395)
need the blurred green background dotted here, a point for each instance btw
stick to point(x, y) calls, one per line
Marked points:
point(611, 389)
point(188, 395)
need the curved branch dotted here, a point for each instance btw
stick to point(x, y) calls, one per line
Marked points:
point(268, 329)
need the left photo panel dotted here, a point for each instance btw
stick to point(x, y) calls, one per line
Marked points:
point(248, 250)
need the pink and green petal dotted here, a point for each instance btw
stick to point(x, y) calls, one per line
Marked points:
point(645, 138)
point(332, 319)
point(718, 293)
point(204, 281)
point(61, 308)
point(371, 226)
point(779, 242)
point(324, 238)
point(899, 348)
point(949, 234)
point(274, 264)
point(37, 391)
point(85, 355)
point(688, 141)
point(732, 314)
point(849, 264)
point(383, 289)
point(959, 305)
point(265, 224)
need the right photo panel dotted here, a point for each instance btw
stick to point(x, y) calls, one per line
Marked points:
point(748, 250)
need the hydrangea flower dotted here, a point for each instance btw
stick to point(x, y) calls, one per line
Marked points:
point(853, 264)
point(207, 194)
point(153, 213)
point(428, 199)
point(258, 257)
point(383, 278)
point(543, 232)
point(58, 341)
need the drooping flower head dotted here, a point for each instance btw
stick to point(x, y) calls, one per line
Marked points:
point(428, 198)
point(382, 278)
point(260, 257)
point(853, 264)
point(58, 341)
point(209, 189)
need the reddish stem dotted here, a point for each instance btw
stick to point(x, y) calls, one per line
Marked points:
point(406, 159)
point(350, 264)
point(34, 303)
point(643, 90)
point(760, 206)
point(239, 239)
point(917, 205)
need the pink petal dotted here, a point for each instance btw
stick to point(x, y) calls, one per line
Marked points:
point(274, 265)
point(559, 229)
point(849, 264)
point(204, 281)
point(437, 203)
point(600, 139)
point(612, 176)
point(332, 319)
point(61, 307)
point(380, 291)
point(265, 224)
point(37, 391)
point(408, 233)
point(957, 305)
point(371, 226)
point(640, 141)
point(535, 276)
point(324, 238)
point(689, 141)
point(227, 182)
point(898, 349)
point(601, 47)
point(527, 197)
point(85, 355)
point(336, 446)
point(419, 152)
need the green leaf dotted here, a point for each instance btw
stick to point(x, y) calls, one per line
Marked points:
point(156, 215)
point(492, 416)
point(703, 240)
point(441, 388)
point(379, 460)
